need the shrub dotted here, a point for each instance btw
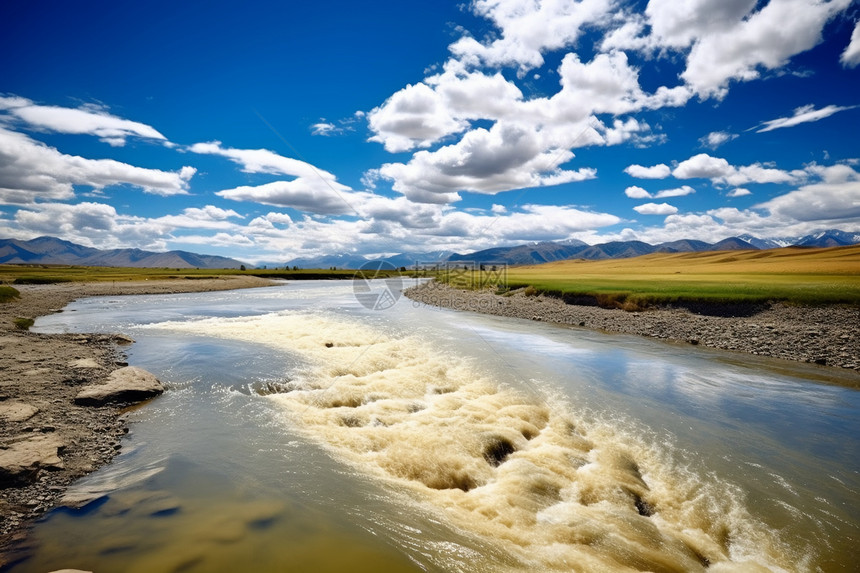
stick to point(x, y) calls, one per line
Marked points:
point(40, 280)
point(24, 323)
point(8, 293)
point(530, 291)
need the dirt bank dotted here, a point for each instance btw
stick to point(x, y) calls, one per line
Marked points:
point(40, 375)
point(820, 335)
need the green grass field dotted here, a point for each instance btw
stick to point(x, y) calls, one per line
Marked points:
point(794, 275)
point(48, 274)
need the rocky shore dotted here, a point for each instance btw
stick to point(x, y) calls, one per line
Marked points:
point(57, 423)
point(827, 336)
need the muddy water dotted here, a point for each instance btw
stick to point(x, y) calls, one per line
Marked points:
point(303, 431)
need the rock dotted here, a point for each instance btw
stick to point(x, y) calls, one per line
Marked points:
point(21, 461)
point(84, 363)
point(129, 384)
point(13, 411)
point(122, 339)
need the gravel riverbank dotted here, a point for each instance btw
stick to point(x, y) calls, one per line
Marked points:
point(821, 335)
point(46, 440)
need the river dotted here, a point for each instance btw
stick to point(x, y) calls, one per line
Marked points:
point(305, 430)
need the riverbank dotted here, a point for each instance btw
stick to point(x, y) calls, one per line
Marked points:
point(40, 375)
point(826, 335)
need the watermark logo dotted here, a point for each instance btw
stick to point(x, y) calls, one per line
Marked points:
point(474, 275)
point(377, 285)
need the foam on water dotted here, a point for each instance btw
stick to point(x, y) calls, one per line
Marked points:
point(548, 485)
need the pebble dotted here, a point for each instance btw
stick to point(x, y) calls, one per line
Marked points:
point(826, 335)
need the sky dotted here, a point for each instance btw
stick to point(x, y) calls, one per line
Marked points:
point(269, 131)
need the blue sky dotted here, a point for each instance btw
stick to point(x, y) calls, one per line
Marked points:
point(271, 131)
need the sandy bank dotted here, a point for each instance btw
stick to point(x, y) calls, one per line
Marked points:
point(820, 335)
point(40, 375)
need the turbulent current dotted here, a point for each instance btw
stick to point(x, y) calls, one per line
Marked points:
point(517, 469)
point(303, 431)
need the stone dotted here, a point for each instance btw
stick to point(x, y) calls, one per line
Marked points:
point(122, 339)
point(21, 461)
point(84, 363)
point(13, 411)
point(129, 384)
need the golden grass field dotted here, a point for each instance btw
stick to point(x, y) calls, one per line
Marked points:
point(793, 274)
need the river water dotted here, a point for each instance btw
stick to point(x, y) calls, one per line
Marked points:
point(304, 431)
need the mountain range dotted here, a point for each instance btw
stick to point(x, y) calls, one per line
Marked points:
point(53, 251)
point(50, 250)
point(547, 251)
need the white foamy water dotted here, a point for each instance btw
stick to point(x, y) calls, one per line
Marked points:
point(518, 467)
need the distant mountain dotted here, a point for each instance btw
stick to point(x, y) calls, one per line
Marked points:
point(530, 254)
point(329, 261)
point(765, 243)
point(731, 244)
point(829, 238)
point(53, 251)
point(683, 246)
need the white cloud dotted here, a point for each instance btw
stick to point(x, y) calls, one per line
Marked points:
point(677, 192)
point(314, 190)
point(767, 38)
point(503, 158)
point(655, 209)
point(528, 29)
point(31, 171)
point(297, 194)
point(415, 116)
point(324, 128)
point(720, 171)
point(635, 192)
point(739, 192)
point(850, 58)
point(703, 166)
point(717, 138)
point(726, 40)
point(659, 171)
point(109, 128)
point(835, 198)
point(804, 114)
point(262, 161)
point(678, 25)
point(208, 217)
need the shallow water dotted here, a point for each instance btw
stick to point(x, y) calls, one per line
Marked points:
point(415, 438)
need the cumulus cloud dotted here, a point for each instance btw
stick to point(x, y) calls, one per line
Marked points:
point(415, 116)
point(677, 192)
point(31, 171)
point(804, 114)
point(528, 29)
point(659, 171)
point(727, 41)
point(720, 171)
point(635, 192)
point(835, 198)
point(655, 209)
point(528, 137)
point(851, 56)
point(766, 39)
point(90, 120)
point(484, 161)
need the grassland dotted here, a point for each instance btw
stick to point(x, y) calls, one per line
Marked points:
point(803, 276)
point(50, 274)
